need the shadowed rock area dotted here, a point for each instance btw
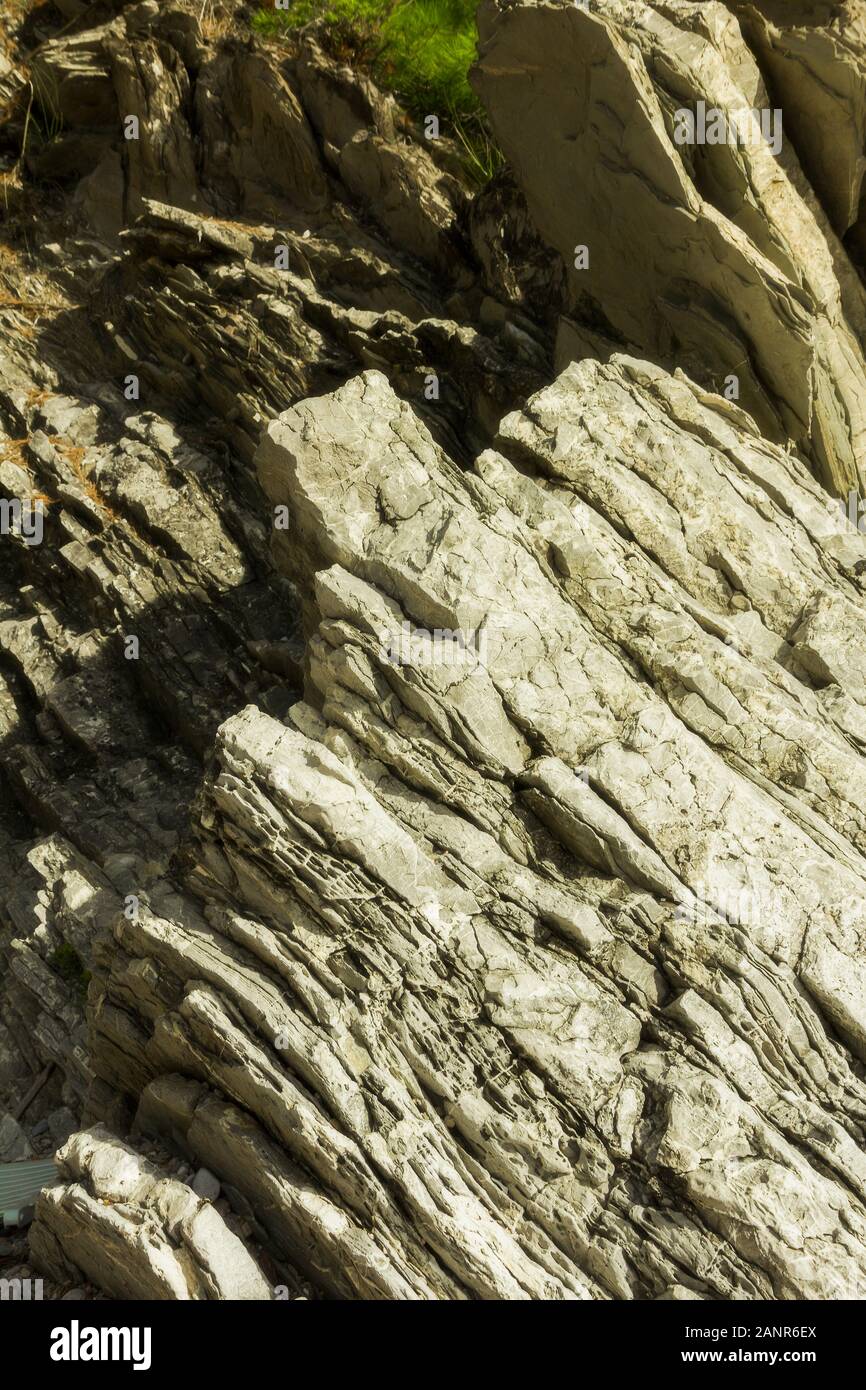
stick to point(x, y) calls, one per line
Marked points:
point(432, 715)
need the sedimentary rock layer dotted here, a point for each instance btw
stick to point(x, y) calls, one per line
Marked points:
point(543, 969)
point(713, 253)
point(432, 718)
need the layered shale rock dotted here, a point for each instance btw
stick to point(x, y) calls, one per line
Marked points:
point(432, 729)
point(529, 967)
point(716, 254)
point(135, 1233)
point(813, 56)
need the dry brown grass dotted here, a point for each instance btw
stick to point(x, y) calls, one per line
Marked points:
point(13, 451)
point(27, 306)
point(74, 455)
point(213, 29)
point(11, 105)
point(24, 314)
point(23, 301)
point(213, 23)
point(10, 184)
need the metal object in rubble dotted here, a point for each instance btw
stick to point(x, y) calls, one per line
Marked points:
point(20, 1185)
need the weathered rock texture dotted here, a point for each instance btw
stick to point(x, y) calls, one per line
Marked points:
point(714, 253)
point(135, 1233)
point(439, 818)
point(812, 55)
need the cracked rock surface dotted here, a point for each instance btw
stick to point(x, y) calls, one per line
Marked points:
point(134, 1233)
point(433, 827)
point(715, 253)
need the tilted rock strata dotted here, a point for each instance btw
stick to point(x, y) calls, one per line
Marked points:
point(509, 946)
point(135, 1233)
point(717, 254)
point(553, 1036)
point(154, 528)
point(814, 54)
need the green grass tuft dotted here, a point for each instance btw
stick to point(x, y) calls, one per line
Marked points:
point(421, 50)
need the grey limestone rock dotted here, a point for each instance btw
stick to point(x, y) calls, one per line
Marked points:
point(135, 1233)
point(432, 715)
point(718, 255)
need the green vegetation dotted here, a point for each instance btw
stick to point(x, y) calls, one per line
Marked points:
point(70, 967)
point(421, 50)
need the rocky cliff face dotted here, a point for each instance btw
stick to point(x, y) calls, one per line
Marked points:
point(432, 717)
